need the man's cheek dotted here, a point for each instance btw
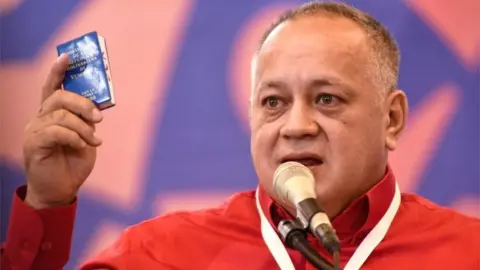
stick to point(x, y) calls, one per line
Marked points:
point(342, 146)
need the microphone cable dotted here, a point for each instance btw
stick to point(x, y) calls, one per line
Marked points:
point(294, 236)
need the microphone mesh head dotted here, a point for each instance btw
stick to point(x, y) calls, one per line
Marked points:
point(286, 171)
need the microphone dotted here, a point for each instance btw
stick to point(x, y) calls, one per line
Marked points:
point(294, 236)
point(294, 183)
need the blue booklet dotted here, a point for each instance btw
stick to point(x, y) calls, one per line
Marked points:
point(89, 71)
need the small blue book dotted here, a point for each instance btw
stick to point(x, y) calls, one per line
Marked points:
point(89, 71)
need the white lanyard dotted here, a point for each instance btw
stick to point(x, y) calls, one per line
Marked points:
point(376, 235)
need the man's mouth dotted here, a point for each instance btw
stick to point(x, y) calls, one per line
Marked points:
point(308, 162)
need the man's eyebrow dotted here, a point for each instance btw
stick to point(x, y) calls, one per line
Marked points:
point(326, 80)
point(313, 83)
point(329, 80)
point(272, 84)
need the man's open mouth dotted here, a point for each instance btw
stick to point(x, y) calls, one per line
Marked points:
point(308, 160)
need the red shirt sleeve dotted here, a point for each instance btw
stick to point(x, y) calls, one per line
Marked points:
point(37, 239)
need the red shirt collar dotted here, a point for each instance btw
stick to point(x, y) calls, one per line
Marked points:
point(356, 220)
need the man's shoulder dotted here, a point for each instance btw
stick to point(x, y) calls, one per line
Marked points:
point(160, 240)
point(427, 214)
point(436, 230)
point(237, 210)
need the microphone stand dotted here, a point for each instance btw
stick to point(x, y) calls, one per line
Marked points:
point(295, 237)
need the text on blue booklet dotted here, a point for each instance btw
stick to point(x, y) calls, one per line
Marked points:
point(89, 71)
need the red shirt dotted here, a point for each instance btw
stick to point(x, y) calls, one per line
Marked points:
point(423, 235)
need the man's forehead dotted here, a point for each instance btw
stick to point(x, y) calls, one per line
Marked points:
point(310, 48)
point(315, 33)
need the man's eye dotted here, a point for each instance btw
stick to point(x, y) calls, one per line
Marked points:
point(327, 99)
point(271, 102)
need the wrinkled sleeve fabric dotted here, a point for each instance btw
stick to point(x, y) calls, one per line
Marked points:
point(132, 250)
point(160, 243)
point(37, 239)
point(128, 252)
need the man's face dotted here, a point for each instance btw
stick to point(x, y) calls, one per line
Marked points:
point(315, 102)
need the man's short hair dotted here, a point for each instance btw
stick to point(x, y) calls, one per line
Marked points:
point(385, 52)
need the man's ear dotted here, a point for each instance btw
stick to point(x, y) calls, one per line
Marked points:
point(397, 113)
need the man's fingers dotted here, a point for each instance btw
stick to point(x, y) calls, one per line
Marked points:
point(56, 75)
point(72, 102)
point(72, 122)
point(56, 135)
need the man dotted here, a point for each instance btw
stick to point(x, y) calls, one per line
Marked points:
point(325, 95)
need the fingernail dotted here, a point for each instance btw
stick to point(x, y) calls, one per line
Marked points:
point(96, 115)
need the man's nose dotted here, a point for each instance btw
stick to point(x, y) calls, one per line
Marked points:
point(300, 122)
